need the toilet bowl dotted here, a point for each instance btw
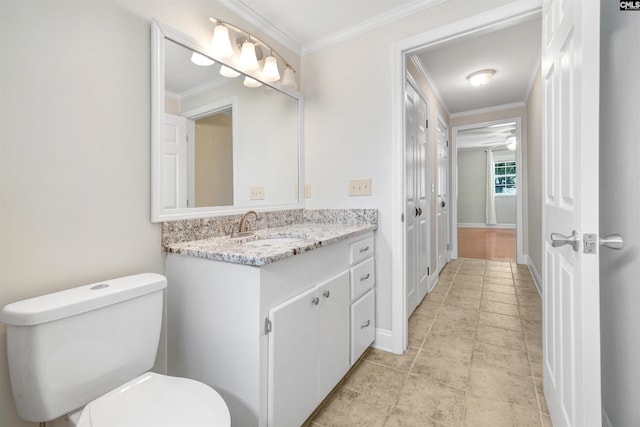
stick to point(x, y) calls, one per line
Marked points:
point(155, 400)
point(86, 352)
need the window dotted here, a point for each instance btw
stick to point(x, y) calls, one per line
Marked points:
point(504, 174)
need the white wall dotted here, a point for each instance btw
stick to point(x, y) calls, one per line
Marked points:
point(75, 138)
point(348, 131)
point(619, 213)
point(533, 164)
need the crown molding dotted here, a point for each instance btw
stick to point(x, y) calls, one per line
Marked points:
point(519, 104)
point(370, 24)
point(425, 74)
point(532, 77)
point(255, 19)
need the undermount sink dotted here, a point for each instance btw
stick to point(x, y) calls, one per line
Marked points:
point(275, 240)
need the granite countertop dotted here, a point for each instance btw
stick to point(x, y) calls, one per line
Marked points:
point(271, 244)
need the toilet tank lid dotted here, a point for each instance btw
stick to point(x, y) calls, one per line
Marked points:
point(70, 302)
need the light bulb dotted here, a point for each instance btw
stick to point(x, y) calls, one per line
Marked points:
point(270, 71)
point(249, 82)
point(289, 79)
point(201, 60)
point(228, 72)
point(248, 59)
point(481, 78)
point(220, 43)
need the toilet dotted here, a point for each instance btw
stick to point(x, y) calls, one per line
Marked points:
point(85, 353)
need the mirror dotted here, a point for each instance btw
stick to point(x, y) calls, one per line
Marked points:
point(218, 146)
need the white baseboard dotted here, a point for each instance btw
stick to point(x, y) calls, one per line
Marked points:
point(433, 281)
point(483, 225)
point(537, 279)
point(383, 341)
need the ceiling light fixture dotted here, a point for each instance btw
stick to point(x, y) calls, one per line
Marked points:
point(511, 141)
point(251, 54)
point(481, 78)
point(249, 82)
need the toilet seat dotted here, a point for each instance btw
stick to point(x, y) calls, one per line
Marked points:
point(159, 401)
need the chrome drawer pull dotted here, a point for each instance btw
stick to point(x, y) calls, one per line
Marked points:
point(365, 324)
point(363, 278)
point(365, 249)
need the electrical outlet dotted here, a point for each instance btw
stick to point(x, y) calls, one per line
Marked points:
point(360, 187)
point(307, 191)
point(256, 193)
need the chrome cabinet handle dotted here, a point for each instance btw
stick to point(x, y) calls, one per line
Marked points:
point(315, 300)
point(612, 241)
point(363, 278)
point(558, 240)
point(365, 324)
point(326, 294)
point(365, 249)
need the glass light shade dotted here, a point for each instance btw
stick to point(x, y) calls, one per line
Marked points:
point(270, 71)
point(248, 59)
point(201, 60)
point(289, 79)
point(480, 78)
point(220, 43)
point(511, 143)
point(228, 72)
point(249, 82)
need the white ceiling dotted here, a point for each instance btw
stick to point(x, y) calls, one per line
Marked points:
point(308, 25)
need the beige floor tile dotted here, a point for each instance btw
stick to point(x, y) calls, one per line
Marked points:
point(500, 297)
point(503, 289)
point(492, 356)
point(546, 421)
point(379, 382)
point(501, 337)
point(504, 386)
point(483, 412)
point(460, 314)
point(347, 407)
point(474, 292)
point(498, 266)
point(449, 345)
point(456, 326)
point(540, 392)
point(400, 362)
point(466, 303)
point(428, 307)
point(425, 398)
point(491, 274)
point(500, 320)
point(399, 419)
point(444, 369)
point(468, 276)
point(500, 308)
point(530, 313)
point(504, 281)
point(536, 368)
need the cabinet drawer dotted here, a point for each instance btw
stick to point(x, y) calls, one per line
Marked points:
point(360, 250)
point(362, 278)
point(362, 325)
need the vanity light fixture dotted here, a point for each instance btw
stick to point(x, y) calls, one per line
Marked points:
point(249, 82)
point(228, 72)
point(481, 78)
point(201, 60)
point(251, 55)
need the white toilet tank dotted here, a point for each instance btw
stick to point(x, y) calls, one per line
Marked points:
point(67, 348)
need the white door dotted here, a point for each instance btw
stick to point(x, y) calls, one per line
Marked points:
point(416, 223)
point(174, 162)
point(442, 193)
point(571, 300)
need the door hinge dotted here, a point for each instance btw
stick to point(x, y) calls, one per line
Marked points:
point(447, 246)
point(426, 124)
point(402, 217)
point(267, 326)
point(447, 143)
point(428, 271)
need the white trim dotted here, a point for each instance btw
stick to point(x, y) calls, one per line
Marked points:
point(508, 14)
point(537, 279)
point(483, 225)
point(532, 78)
point(384, 340)
point(265, 26)
point(433, 281)
point(427, 76)
point(495, 108)
point(606, 422)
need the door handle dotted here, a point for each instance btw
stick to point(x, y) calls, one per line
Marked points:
point(443, 204)
point(558, 240)
point(612, 241)
point(417, 212)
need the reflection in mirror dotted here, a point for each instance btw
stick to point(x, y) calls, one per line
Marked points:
point(220, 147)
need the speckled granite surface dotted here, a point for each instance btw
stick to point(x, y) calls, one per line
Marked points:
point(278, 235)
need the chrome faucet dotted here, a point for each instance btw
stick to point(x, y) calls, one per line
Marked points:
point(243, 222)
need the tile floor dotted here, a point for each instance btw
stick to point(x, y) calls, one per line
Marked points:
point(474, 358)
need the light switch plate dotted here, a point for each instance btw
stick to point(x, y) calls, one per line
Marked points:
point(307, 190)
point(256, 193)
point(360, 187)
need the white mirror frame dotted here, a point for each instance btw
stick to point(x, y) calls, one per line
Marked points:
point(159, 32)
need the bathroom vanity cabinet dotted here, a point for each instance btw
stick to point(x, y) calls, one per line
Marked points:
point(272, 340)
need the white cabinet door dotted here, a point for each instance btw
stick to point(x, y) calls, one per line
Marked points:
point(293, 360)
point(333, 348)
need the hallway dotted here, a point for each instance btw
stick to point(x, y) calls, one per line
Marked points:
point(474, 358)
